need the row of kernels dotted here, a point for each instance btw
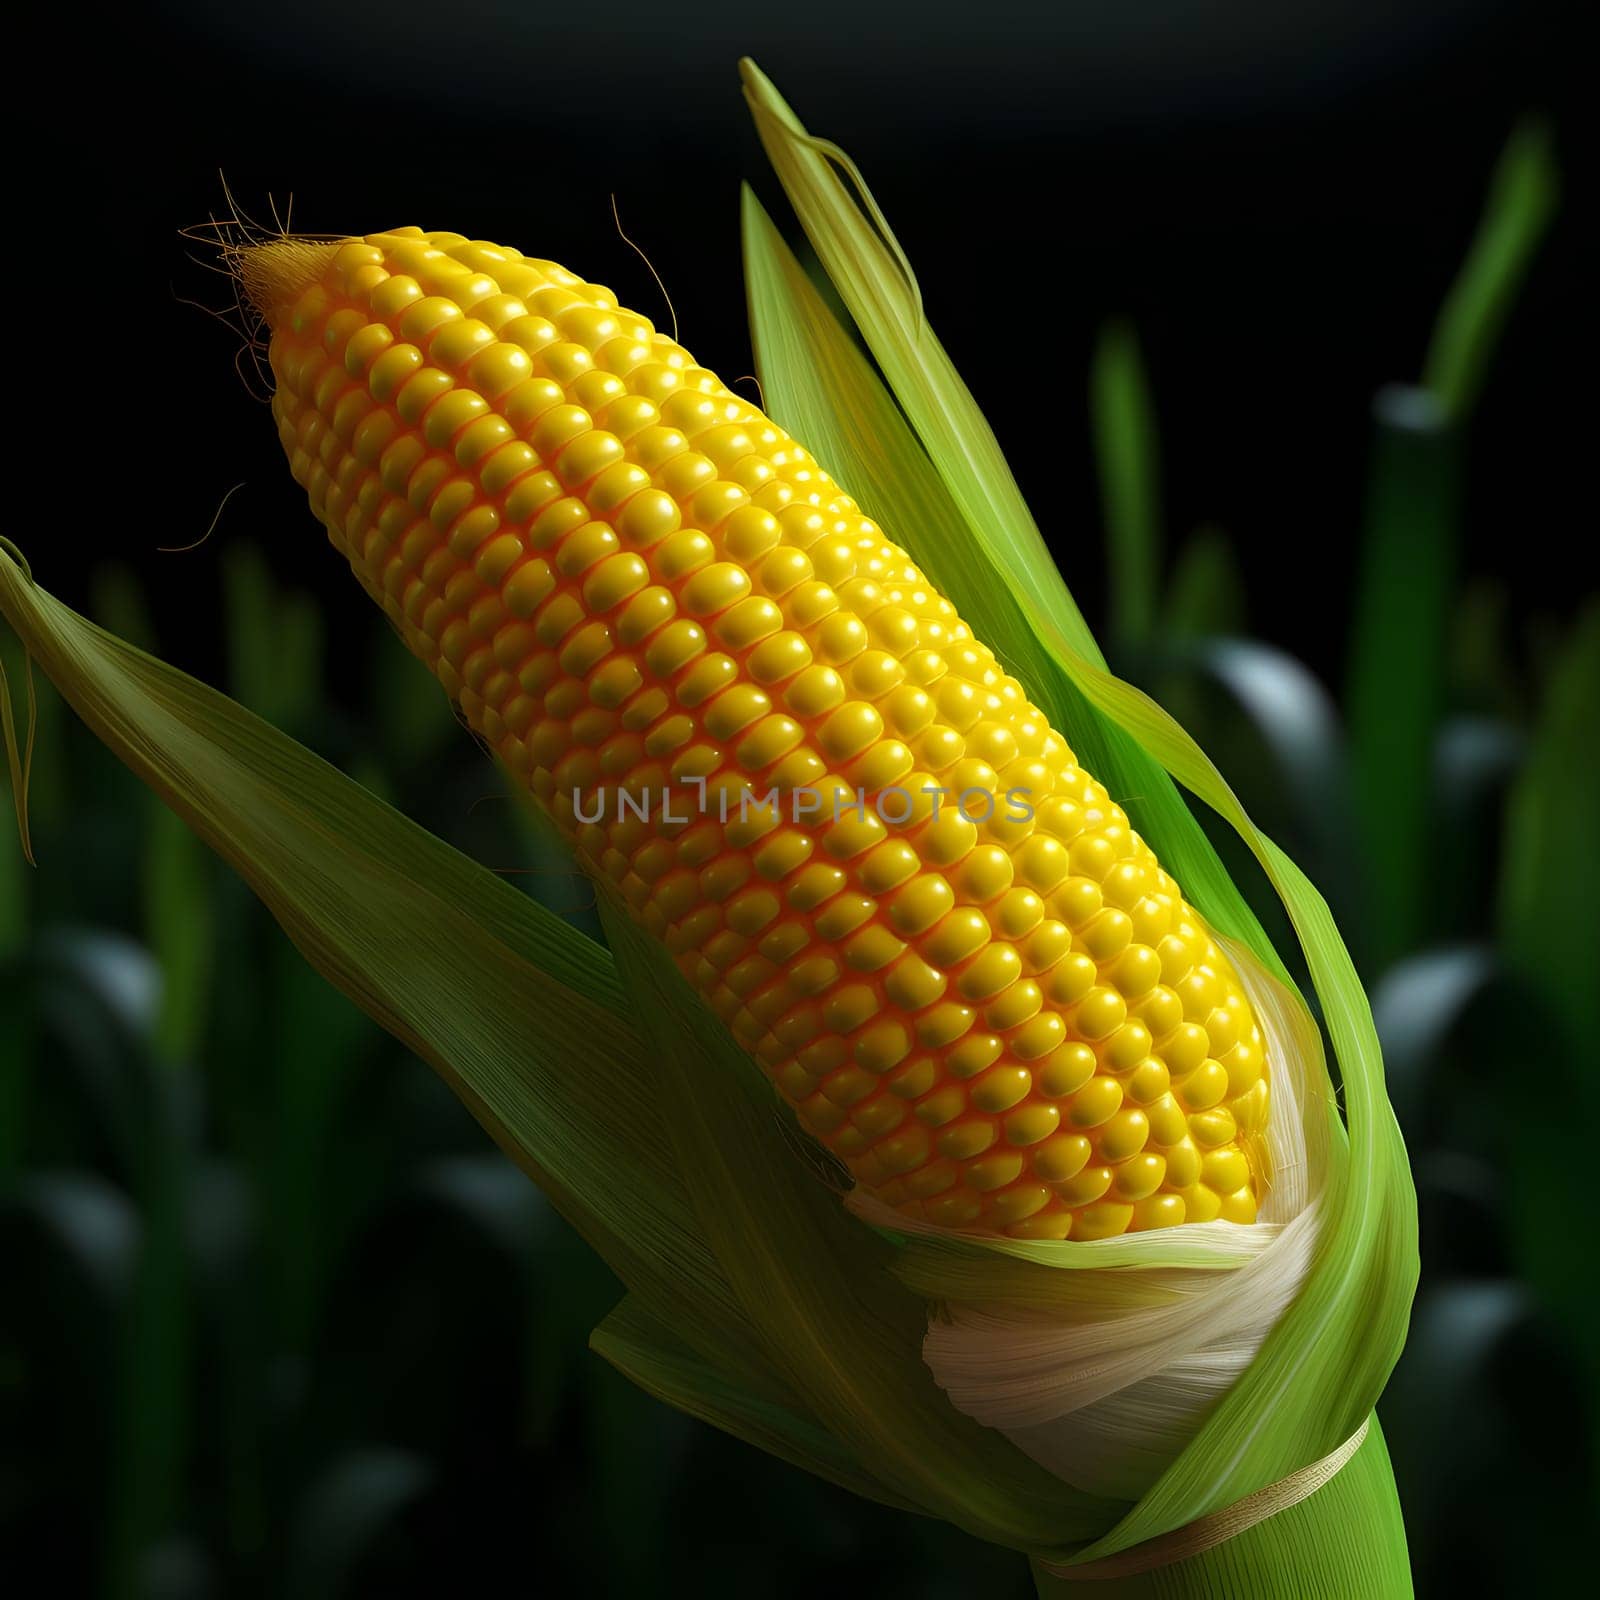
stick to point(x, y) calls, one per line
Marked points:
point(960, 837)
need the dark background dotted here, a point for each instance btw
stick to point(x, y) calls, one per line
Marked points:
point(1278, 195)
point(375, 1375)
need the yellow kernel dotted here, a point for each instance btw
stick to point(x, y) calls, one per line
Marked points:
point(614, 580)
point(1019, 1202)
point(528, 587)
point(648, 518)
point(915, 1078)
point(943, 1024)
point(1124, 1135)
point(905, 1150)
point(1061, 1159)
point(1096, 1102)
point(1203, 1088)
point(967, 1139)
point(747, 621)
point(942, 1106)
point(817, 690)
point(1103, 1220)
point(872, 949)
point(975, 1052)
point(883, 1046)
point(1077, 901)
point(612, 683)
point(878, 1117)
point(1168, 1125)
point(1100, 1013)
point(1127, 1047)
point(990, 972)
point(954, 1210)
point(1066, 1072)
point(1039, 1037)
point(1214, 1128)
point(1001, 1088)
point(1224, 1171)
point(1030, 1124)
point(674, 647)
point(1157, 1211)
point(779, 657)
point(733, 710)
point(1184, 1050)
point(850, 729)
point(843, 915)
point(1070, 980)
point(1149, 1082)
point(888, 866)
point(994, 1171)
point(920, 904)
point(913, 984)
point(714, 589)
point(960, 934)
point(848, 1086)
point(1085, 1187)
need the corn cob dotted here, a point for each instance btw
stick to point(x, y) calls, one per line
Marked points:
point(998, 1012)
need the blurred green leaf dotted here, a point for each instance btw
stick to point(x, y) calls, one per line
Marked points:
point(274, 641)
point(179, 928)
point(89, 1221)
point(1205, 596)
point(1552, 869)
point(1548, 897)
point(1127, 451)
point(1418, 1006)
point(1303, 793)
point(117, 601)
point(346, 1516)
point(70, 1243)
point(1522, 201)
point(155, 1384)
point(17, 747)
point(1485, 676)
point(413, 715)
point(1482, 1412)
point(1396, 664)
point(1475, 762)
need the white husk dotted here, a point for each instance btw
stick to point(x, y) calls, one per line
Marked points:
point(1105, 1400)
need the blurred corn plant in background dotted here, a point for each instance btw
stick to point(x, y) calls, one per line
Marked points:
point(291, 1327)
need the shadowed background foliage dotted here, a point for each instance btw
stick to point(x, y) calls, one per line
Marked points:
point(287, 1325)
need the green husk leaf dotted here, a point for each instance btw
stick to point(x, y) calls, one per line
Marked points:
point(819, 385)
point(1345, 1540)
point(528, 1021)
point(867, 266)
point(817, 1285)
point(649, 1353)
point(510, 1005)
point(1324, 1365)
